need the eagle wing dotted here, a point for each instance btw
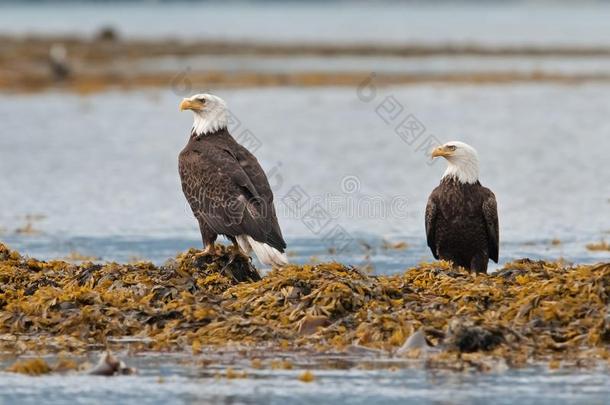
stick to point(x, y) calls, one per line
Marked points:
point(257, 177)
point(490, 213)
point(232, 196)
point(431, 212)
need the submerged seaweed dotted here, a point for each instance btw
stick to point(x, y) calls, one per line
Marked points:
point(526, 311)
point(599, 247)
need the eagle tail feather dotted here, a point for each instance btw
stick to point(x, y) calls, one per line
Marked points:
point(266, 254)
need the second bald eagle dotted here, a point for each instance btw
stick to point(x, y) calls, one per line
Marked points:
point(461, 215)
point(226, 187)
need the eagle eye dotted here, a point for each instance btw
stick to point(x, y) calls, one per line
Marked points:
point(202, 100)
point(451, 147)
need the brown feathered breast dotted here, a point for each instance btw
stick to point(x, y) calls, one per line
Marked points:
point(462, 224)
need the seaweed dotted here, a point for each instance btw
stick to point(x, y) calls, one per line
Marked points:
point(601, 246)
point(527, 311)
point(35, 366)
point(307, 377)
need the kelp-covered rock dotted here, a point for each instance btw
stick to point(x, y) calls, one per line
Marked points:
point(526, 310)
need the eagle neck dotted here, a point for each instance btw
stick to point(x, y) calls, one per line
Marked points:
point(463, 170)
point(453, 181)
point(218, 133)
point(209, 123)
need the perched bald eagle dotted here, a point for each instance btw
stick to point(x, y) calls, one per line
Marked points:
point(226, 187)
point(461, 215)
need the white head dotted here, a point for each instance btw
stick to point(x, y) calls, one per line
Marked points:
point(462, 159)
point(210, 112)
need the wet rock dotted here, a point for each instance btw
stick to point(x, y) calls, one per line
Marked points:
point(416, 341)
point(310, 324)
point(466, 337)
point(108, 34)
point(108, 365)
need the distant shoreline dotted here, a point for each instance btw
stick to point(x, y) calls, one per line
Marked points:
point(111, 62)
point(181, 47)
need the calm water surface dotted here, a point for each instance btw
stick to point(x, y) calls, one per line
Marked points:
point(174, 380)
point(378, 22)
point(432, 65)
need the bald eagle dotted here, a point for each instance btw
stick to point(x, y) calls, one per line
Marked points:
point(461, 214)
point(226, 187)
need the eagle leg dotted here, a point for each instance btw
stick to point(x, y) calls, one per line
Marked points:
point(236, 250)
point(235, 246)
point(209, 237)
point(209, 249)
point(478, 264)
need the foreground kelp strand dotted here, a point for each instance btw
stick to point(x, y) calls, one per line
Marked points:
point(526, 311)
point(107, 365)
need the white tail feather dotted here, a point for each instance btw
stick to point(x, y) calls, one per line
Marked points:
point(265, 253)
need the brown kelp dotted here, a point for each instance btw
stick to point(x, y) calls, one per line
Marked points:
point(601, 246)
point(529, 310)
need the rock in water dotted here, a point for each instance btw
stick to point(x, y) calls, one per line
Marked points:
point(466, 337)
point(416, 341)
point(108, 365)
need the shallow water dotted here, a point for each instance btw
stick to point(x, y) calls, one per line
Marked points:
point(175, 379)
point(433, 65)
point(100, 170)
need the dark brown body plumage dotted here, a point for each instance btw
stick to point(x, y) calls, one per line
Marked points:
point(462, 224)
point(228, 190)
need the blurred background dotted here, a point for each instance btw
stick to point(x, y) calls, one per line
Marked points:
point(340, 101)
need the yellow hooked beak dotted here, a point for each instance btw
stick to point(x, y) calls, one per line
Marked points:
point(188, 104)
point(441, 151)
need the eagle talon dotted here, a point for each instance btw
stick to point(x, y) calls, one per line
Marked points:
point(210, 250)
